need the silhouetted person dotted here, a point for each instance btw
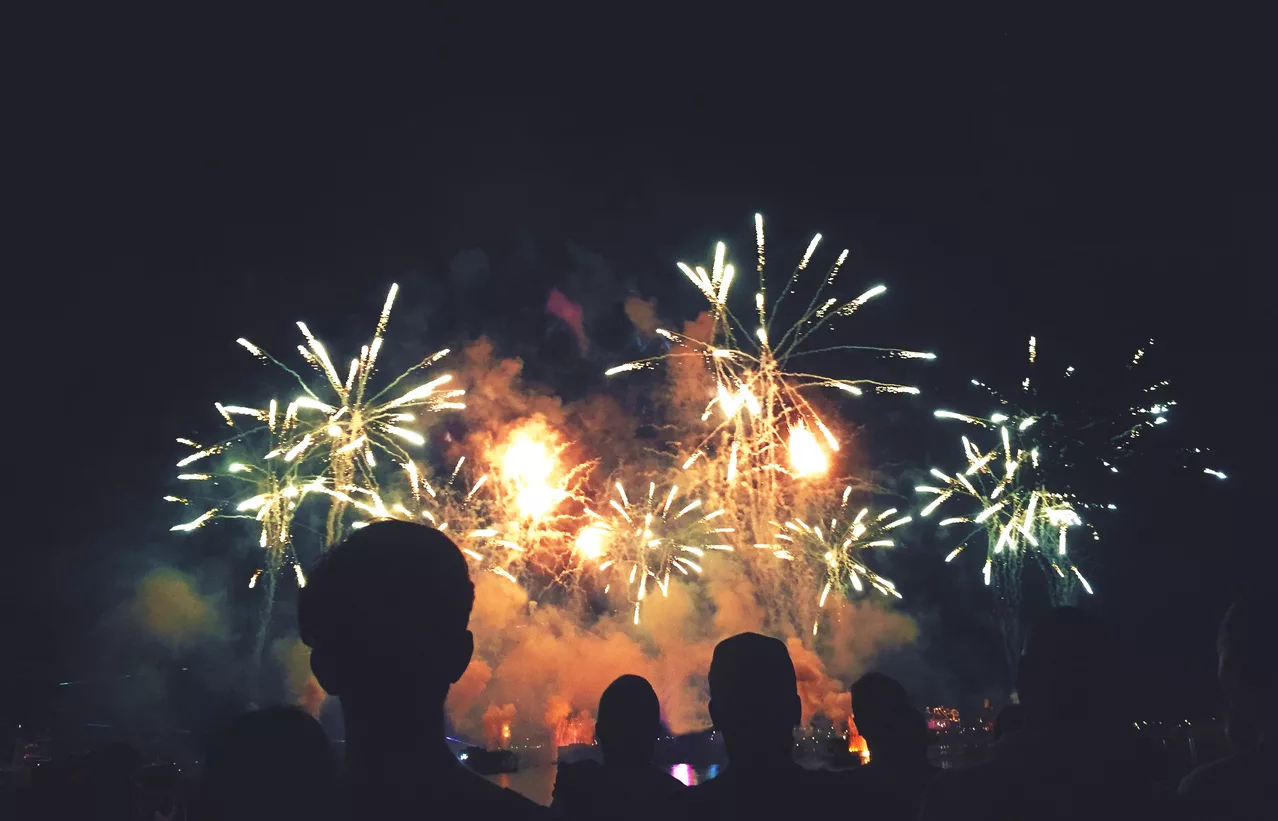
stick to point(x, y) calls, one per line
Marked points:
point(385, 616)
point(1010, 719)
point(754, 703)
point(626, 785)
point(1077, 756)
point(269, 764)
point(110, 791)
point(1245, 784)
point(897, 736)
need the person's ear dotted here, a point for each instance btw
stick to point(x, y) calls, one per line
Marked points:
point(461, 659)
point(324, 667)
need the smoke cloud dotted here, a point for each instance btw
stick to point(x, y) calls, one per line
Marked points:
point(169, 607)
point(552, 661)
point(642, 313)
point(544, 655)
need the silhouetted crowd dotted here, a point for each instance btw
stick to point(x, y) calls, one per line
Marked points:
point(387, 613)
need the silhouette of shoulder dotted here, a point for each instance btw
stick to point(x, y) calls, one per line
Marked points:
point(1033, 777)
point(453, 790)
point(779, 793)
point(1241, 786)
point(587, 789)
point(892, 795)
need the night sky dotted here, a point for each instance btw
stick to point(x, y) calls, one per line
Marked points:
point(1009, 179)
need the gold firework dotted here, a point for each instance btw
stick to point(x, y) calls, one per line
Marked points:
point(452, 507)
point(837, 544)
point(763, 419)
point(249, 485)
point(644, 540)
point(351, 424)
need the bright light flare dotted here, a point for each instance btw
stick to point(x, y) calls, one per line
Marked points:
point(806, 455)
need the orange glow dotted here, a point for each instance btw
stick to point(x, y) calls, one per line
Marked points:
point(578, 729)
point(505, 735)
point(857, 743)
point(806, 456)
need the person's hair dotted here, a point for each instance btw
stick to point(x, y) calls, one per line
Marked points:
point(754, 694)
point(386, 580)
point(750, 670)
point(883, 714)
point(876, 693)
point(1009, 720)
point(1245, 643)
point(629, 718)
point(267, 764)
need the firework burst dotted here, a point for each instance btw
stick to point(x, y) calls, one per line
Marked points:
point(348, 422)
point(837, 544)
point(238, 481)
point(642, 541)
point(454, 506)
point(1016, 510)
point(762, 418)
point(1050, 442)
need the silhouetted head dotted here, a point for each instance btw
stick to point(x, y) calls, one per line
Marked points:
point(1010, 719)
point(883, 714)
point(269, 764)
point(1069, 671)
point(1246, 667)
point(115, 762)
point(385, 616)
point(754, 699)
point(628, 722)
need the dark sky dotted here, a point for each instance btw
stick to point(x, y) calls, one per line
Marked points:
point(1092, 185)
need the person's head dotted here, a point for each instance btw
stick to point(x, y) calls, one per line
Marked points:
point(116, 762)
point(754, 698)
point(385, 615)
point(883, 714)
point(1246, 667)
point(1069, 671)
point(628, 722)
point(1010, 719)
point(269, 764)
